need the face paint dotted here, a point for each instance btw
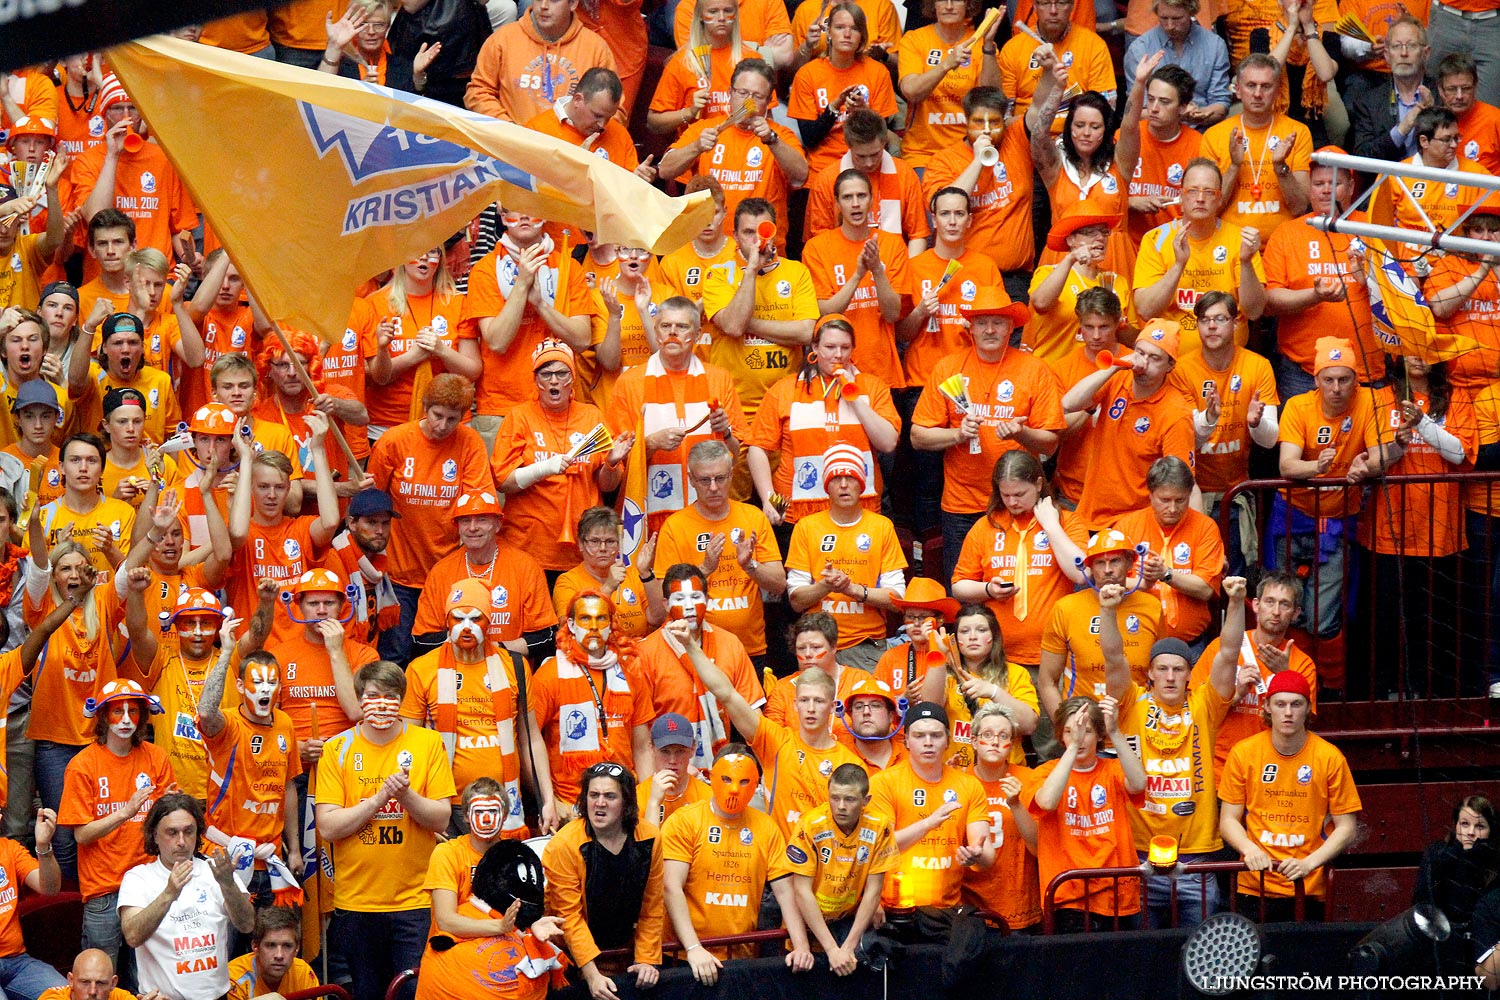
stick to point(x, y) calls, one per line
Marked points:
point(124, 718)
point(733, 780)
point(686, 601)
point(589, 624)
point(466, 628)
point(380, 712)
point(485, 814)
point(260, 687)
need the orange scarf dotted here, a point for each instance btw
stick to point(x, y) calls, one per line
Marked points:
point(817, 419)
point(585, 739)
point(667, 489)
point(500, 682)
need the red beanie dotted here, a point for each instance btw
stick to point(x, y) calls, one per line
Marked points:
point(1288, 682)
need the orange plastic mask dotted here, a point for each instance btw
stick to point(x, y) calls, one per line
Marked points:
point(733, 779)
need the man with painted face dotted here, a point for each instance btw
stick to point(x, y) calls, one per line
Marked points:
point(941, 816)
point(472, 694)
point(381, 799)
point(253, 761)
point(450, 873)
point(1072, 661)
point(717, 858)
point(675, 687)
point(520, 957)
point(591, 701)
point(106, 792)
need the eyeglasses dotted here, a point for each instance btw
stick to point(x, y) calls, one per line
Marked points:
point(1403, 46)
point(429, 255)
point(1053, 4)
point(564, 376)
point(750, 95)
point(1450, 140)
point(1216, 320)
point(1200, 192)
point(990, 741)
point(603, 542)
point(709, 480)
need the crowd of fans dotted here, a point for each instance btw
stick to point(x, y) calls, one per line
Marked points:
point(978, 340)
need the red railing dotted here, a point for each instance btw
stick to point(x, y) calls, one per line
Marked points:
point(336, 992)
point(1438, 641)
point(1204, 870)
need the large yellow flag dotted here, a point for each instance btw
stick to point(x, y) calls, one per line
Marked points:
point(1403, 320)
point(315, 183)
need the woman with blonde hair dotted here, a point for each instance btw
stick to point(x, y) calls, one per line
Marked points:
point(826, 89)
point(979, 674)
point(695, 81)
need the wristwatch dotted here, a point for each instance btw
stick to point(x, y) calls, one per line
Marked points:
point(771, 139)
point(1166, 576)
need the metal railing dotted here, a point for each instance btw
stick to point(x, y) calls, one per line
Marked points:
point(1203, 870)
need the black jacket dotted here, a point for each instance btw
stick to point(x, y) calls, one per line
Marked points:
point(1372, 115)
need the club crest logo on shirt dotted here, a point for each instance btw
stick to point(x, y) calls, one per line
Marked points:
point(784, 289)
point(1348, 424)
point(1109, 185)
point(746, 837)
point(796, 855)
point(1182, 553)
point(825, 767)
point(753, 157)
point(405, 760)
point(1304, 774)
point(661, 484)
point(292, 548)
point(1174, 174)
point(1097, 796)
point(1450, 190)
point(148, 182)
point(1471, 150)
point(351, 340)
point(968, 290)
point(281, 742)
point(1142, 425)
point(1273, 142)
point(950, 795)
point(499, 597)
point(628, 596)
point(807, 475)
point(96, 126)
point(1132, 624)
point(142, 779)
point(1221, 254)
point(736, 535)
point(1042, 541)
point(450, 471)
point(237, 336)
point(1005, 391)
point(863, 542)
point(1234, 383)
point(862, 855)
point(1002, 175)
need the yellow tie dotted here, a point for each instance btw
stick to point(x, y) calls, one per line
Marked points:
point(1169, 606)
point(1019, 605)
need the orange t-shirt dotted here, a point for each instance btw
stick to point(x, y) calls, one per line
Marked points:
point(97, 784)
point(425, 479)
point(506, 379)
point(734, 601)
point(1073, 633)
point(928, 874)
point(1479, 135)
point(1257, 202)
point(1084, 53)
point(147, 189)
point(729, 864)
point(938, 121)
point(1224, 459)
point(1478, 318)
point(511, 574)
point(759, 20)
point(819, 83)
point(613, 144)
point(73, 669)
point(1017, 385)
point(675, 686)
point(307, 681)
point(238, 32)
point(1052, 334)
point(1304, 424)
point(880, 15)
point(1420, 205)
point(899, 206)
point(1286, 809)
point(745, 167)
point(300, 25)
point(681, 77)
point(1009, 887)
point(1000, 202)
point(1297, 253)
point(16, 865)
point(944, 333)
point(781, 699)
point(391, 404)
point(1244, 719)
point(832, 259)
point(1421, 519)
point(684, 268)
point(1193, 546)
point(867, 550)
point(250, 767)
point(993, 549)
point(452, 867)
point(1088, 829)
point(629, 597)
point(1482, 498)
point(572, 730)
point(281, 552)
point(224, 331)
point(81, 130)
point(1108, 191)
point(1158, 174)
point(1128, 436)
point(541, 518)
point(796, 773)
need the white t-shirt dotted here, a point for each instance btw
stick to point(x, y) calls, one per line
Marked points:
point(188, 956)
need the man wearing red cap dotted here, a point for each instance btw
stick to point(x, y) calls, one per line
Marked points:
point(1276, 793)
point(140, 182)
point(1141, 418)
point(534, 462)
point(1008, 400)
point(1329, 433)
point(1081, 234)
point(847, 560)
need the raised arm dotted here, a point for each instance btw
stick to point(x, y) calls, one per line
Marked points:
point(1227, 661)
point(745, 717)
point(1112, 643)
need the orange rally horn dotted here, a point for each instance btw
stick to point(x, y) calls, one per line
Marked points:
point(1108, 360)
point(766, 231)
point(133, 142)
point(848, 389)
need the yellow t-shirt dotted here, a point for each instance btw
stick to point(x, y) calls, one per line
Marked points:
point(170, 474)
point(839, 864)
point(178, 684)
point(734, 602)
point(866, 550)
point(1213, 266)
point(1052, 335)
point(62, 524)
point(20, 276)
point(785, 294)
point(245, 984)
point(381, 867)
point(1181, 796)
point(1257, 201)
point(163, 411)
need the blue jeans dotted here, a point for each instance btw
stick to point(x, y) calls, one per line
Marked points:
point(101, 929)
point(395, 644)
point(1447, 32)
point(25, 978)
point(306, 58)
point(955, 530)
point(1480, 601)
point(52, 761)
point(1193, 892)
point(1291, 380)
point(378, 946)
